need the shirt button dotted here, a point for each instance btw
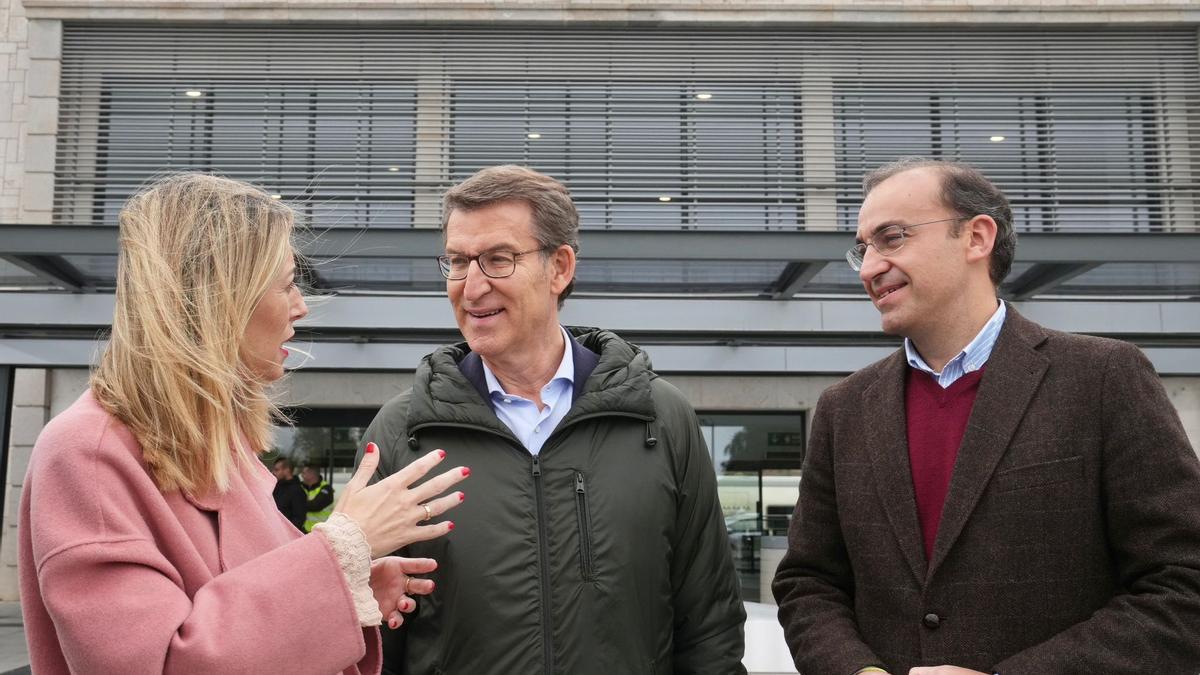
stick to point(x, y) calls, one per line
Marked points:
point(537, 430)
point(931, 621)
point(508, 400)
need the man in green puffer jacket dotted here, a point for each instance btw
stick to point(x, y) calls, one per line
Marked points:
point(592, 541)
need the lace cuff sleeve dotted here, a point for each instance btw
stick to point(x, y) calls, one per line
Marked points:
point(354, 557)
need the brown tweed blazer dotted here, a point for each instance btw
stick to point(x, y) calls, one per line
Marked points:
point(1069, 541)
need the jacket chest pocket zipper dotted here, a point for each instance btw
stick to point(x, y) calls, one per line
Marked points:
point(585, 528)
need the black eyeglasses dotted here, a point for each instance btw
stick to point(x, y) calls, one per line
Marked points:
point(887, 240)
point(493, 264)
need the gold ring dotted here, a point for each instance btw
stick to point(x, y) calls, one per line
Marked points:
point(428, 513)
point(406, 580)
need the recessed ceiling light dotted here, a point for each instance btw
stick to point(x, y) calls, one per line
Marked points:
point(997, 139)
point(664, 198)
point(534, 135)
point(193, 93)
point(704, 95)
point(393, 169)
point(276, 196)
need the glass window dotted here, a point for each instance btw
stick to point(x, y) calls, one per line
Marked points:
point(1080, 156)
point(342, 151)
point(331, 450)
point(654, 155)
point(326, 438)
point(389, 274)
point(757, 458)
point(1136, 279)
point(15, 275)
point(681, 276)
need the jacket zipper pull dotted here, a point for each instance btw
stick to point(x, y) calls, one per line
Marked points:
point(579, 483)
point(537, 467)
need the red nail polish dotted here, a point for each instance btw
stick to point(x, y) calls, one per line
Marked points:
point(371, 447)
point(461, 496)
point(441, 454)
point(432, 586)
point(466, 471)
point(450, 524)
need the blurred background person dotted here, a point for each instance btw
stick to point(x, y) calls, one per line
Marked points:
point(166, 554)
point(290, 498)
point(318, 494)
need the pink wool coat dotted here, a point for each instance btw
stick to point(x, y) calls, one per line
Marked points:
point(118, 577)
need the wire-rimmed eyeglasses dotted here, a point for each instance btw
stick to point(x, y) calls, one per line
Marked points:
point(494, 264)
point(887, 240)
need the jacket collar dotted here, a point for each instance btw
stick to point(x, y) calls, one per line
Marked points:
point(1014, 372)
point(584, 360)
point(611, 376)
point(240, 537)
point(213, 499)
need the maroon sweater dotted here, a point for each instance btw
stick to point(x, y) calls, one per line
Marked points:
point(937, 419)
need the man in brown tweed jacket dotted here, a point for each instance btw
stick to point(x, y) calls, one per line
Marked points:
point(1052, 525)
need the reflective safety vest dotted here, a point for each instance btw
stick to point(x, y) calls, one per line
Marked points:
point(321, 516)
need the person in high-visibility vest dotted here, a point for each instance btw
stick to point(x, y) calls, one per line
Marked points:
point(320, 497)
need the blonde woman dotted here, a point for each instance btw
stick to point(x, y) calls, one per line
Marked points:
point(149, 539)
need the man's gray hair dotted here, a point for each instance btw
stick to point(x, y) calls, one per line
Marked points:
point(969, 193)
point(555, 220)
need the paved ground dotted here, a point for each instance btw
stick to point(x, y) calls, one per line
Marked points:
point(14, 655)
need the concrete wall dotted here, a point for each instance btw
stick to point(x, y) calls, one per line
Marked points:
point(30, 412)
point(706, 392)
point(30, 58)
point(371, 390)
point(1184, 393)
point(743, 12)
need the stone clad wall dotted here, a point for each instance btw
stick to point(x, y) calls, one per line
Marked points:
point(30, 411)
point(14, 106)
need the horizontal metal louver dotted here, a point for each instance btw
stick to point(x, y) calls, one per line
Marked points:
point(650, 128)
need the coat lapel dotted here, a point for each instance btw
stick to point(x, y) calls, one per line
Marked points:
point(887, 442)
point(1012, 376)
point(248, 522)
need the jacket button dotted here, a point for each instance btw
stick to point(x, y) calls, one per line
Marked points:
point(931, 621)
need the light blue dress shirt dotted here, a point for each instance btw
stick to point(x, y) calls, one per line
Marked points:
point(970, 359)
point(532, 426)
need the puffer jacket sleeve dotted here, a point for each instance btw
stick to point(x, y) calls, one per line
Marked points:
point(709, 615)
point(389, 431)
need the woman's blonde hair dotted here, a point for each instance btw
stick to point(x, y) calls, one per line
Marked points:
point(197, 253)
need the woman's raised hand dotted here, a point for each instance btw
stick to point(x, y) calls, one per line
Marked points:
point(390, 511)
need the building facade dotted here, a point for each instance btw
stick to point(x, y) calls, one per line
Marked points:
point(714, 148)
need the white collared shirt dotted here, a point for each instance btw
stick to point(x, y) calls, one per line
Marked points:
point(970, 359)
point(532, 426)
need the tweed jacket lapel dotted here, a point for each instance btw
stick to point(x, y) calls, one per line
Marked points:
point(1013, 373)
point(887, 442)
